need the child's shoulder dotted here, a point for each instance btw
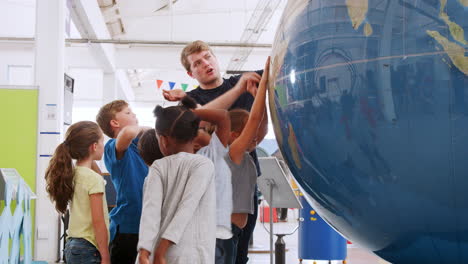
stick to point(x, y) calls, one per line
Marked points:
point(112, 141)
point(181, 156)
point(182, 159)
point(110, 151)
point(85, 171)
point(190, 159)
point(86, 175)
point(110, 145)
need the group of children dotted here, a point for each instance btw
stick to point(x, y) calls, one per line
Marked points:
point(184, 189)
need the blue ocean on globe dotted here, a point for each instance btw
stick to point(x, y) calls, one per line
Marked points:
point(369, 100)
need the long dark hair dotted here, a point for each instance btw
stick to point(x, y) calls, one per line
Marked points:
point(178, 122)
point(59, 175)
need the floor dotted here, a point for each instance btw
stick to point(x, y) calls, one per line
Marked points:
point(356, 255)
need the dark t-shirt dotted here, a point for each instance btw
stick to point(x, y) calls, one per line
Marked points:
point(244, 101)
point(203, 97)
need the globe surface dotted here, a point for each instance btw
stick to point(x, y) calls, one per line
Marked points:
point(369, 100)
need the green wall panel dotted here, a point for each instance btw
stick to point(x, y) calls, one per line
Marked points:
point(18, 135)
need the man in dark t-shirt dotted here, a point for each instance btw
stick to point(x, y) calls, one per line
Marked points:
point(200, 62)
point(204, 96)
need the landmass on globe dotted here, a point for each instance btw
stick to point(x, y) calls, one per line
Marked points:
point(357, 11)
point(455, 52)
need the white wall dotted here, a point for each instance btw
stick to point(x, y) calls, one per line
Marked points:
point(12, 53)
point(17, 18)
point(23, 56)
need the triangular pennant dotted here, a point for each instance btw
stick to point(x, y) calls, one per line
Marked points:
point(184, 86)
point(159, 82)
point(171, 84)
point(195, 86)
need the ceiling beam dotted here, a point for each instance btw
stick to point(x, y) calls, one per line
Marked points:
point(89, 21)
point(170, 43)
point(257, 25)
point(138, 42)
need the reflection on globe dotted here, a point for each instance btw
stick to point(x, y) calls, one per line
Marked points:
point(370, 104)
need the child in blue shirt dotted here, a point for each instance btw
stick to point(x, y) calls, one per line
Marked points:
point(128, 172)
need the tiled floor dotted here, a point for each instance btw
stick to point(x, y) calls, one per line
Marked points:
point(356, 255)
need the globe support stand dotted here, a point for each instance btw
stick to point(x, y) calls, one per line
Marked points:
point(278, 193)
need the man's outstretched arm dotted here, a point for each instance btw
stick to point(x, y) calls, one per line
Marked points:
point(226, 100)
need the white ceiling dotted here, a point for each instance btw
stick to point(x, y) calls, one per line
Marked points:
point(209, 20)
point(214, 21)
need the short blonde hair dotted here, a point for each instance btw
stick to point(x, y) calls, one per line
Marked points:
point(107, 113)
point(191, 48)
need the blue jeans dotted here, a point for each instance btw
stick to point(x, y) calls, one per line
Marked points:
point(81, 251)
point(226, 249)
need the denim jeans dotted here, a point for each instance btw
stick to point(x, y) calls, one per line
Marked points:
point(81, 251)
point(226, 249)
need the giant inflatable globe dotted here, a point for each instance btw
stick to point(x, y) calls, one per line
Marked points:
point(369, 100)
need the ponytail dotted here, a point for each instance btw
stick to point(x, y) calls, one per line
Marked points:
point(188, 102)
point(59, 178)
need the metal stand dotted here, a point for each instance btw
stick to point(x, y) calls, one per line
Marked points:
point(280, 249)
point(273, 177)
point(272, 184)
point(280, 245)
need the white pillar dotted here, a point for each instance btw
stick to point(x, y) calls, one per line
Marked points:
point(49, 74)
point(110, 87)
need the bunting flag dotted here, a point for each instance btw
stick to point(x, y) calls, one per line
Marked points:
point(184, 86)
point(171, 84)
point(159, 82)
